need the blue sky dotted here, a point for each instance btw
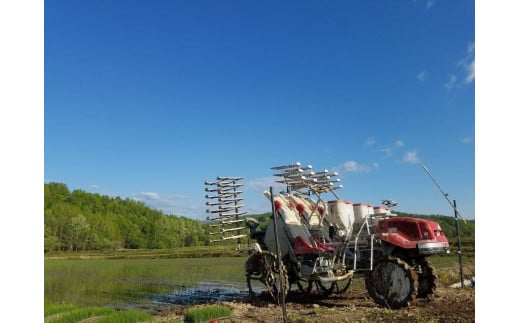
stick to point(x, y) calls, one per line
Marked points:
point(147, 100)
point(139, 102)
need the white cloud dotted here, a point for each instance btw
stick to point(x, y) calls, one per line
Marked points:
point(387, 151)
point(467, 64)
point(369, 141)
point(93, 187)
point(411, 157)
point(147, 196)
point(451, 82)
point(176, 204)
point(471, 72)
point(352, 166)
point(421, 76)
point(430, 3)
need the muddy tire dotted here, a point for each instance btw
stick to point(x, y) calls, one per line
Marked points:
point(263, 267)
point(427, 279)
point(392, 283)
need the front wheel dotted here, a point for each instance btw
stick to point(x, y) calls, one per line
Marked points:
point(427, 279)
point(392, 283)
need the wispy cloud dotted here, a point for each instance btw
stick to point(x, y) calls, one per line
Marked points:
point(430, 4)
point(352, 166)
point(411, 157)
point(451, 82)
point(470, 69)
point(467, 64)
point(467, 140)
point(421, 76)
point(369, 142)
point(176, 204)
point(147, 196)
point(93, 187)
point(388, 151)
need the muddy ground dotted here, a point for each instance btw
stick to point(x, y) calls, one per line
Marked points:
point(448, 305)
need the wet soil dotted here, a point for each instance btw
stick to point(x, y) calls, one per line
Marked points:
point(447, 305)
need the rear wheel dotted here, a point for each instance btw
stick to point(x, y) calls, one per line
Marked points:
point(392, 283)
point(427, 279)
point(262, 267)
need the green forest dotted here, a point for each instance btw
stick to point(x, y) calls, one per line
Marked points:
point(80, 221)
point(77, 221)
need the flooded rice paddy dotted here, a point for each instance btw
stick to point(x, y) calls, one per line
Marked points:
point(143, 282)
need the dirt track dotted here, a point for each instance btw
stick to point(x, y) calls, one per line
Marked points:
point(449, 305)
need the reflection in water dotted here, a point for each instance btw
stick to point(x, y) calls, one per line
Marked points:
point(205, 292)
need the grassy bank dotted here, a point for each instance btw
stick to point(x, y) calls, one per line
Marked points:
point(186, 252)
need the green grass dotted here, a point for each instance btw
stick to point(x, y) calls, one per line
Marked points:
point(206, 313)
point(69, 313)
point(129, 316)
point(186, 252)
point(58, 308)
point(79, 314)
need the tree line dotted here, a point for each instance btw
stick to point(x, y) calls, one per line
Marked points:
point(77, 220)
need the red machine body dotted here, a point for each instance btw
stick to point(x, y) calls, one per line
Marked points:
point(427, 237)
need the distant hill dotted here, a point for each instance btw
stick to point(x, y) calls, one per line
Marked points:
point(77, 221)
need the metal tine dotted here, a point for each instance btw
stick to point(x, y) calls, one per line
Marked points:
point(229, 207)
point(297, 164)
point(219, 203)
point(322, 172)
point(290, 172)
point(213, 203)
point(232, 237)
point(225, 201)
point(210, 183)
point(221, 195)
point(233, 214)
point(289, 182)
point(229, 184)
point(221, 208)
point(294, 176)
point(219, 189)
point(216, 211)
point(299, 186)
point(227, 178)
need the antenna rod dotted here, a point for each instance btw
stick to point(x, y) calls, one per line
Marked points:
point(443, 194)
